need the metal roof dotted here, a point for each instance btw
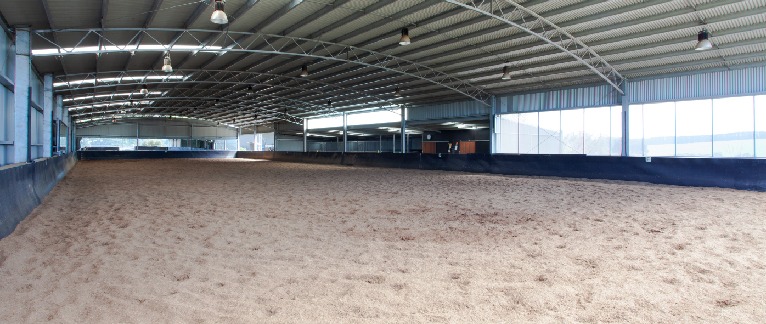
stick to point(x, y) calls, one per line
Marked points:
point(459, 48)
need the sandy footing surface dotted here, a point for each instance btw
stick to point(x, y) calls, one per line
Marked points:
point(256, 241)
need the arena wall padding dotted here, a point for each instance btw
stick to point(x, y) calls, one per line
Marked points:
point(747, 174)
point(134, 155)
point(23, 187)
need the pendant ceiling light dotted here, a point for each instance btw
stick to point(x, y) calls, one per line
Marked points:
point(329, 102)
point(703, 43)
point(304, 71)
point(405, 39)
point(167, 67)
point(219, 17)
point(397, 92)
point(144, 90)
point(506, 73)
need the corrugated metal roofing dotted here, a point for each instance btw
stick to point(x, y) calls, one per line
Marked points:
point(639, 38)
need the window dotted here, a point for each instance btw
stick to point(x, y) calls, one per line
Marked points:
point(592, 131)
point(597, 131)
point(760, 126)
point(507, 133)
point(733, 127)
point(35, 133)
point(616, 132)
point(326, 122)
point(694, 128)
point(528, 133)
point(549, 132)
point(376, 117)
point(636, 130)
point(659, 129)
point(63, 138)
point(572, 131)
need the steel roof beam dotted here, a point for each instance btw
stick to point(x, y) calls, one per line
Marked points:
point(320, 49)
point(149, 19)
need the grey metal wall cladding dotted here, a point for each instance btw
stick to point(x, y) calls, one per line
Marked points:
point(447, 110)
point(151, 131)
point(157, 131)
point(179, 131)
point(595, 96)
point(116, 130)
point(204, 131)
point(750, 80)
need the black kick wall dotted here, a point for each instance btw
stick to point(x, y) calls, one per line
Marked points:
point(748, 174)
point(23, 187)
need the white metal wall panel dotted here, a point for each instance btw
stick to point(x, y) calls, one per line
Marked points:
point(751, 80)
point(447, 110)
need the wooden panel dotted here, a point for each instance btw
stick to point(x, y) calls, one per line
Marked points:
point(429, 147)
point(467, 147)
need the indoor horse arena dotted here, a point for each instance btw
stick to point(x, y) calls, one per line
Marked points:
point(358, 161)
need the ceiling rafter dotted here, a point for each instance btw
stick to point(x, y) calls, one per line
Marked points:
point(318, 49)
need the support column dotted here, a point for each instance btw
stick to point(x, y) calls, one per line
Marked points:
point(57, 117)
point(48, 107)
point(22, 97)
point(393, 143)
point(345, 133)
point(305, 135)
point(492, 135)
point(404, 131)
point(625, 120)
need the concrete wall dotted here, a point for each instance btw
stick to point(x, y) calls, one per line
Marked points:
point(24, 186)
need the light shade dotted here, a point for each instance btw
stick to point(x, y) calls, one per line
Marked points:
point(703, 43)
point(219, 17)
point(405, 39)
point(144, 90)
point(167, 67)
point(329, 102)
point(506, 74)
point(397, 92)
point(304, 71)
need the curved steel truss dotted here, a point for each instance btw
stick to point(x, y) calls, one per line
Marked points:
point(344, 97)
point(549, 33)
point(274, 44)
point(221, 107)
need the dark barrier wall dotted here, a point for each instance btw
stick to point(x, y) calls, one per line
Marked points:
point(23, 187)
point(127, 155)
point(749, 174)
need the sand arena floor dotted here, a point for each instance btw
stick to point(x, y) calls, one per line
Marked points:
point(255, 241)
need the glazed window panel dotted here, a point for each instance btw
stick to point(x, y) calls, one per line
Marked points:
point(694, 128)
point(733, 127)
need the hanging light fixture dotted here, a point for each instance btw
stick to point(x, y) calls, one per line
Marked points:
point(329, 103)
point(506, 73)
point(167, 67)
point(703, 43)
point(397, 92)
point(219, 17)
point(144, 90)
point(304, 71)
point(405, 39)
